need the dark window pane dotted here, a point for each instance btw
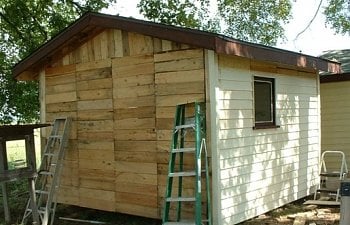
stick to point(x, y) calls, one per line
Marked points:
point(262, 99)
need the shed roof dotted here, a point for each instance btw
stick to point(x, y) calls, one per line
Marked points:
point(92, 23)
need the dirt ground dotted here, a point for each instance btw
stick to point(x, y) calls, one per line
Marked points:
point(291, 214)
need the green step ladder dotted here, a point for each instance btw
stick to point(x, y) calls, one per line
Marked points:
point(180, 146)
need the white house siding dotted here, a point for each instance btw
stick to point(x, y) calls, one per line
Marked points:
point(335, 117)
point(264, 169)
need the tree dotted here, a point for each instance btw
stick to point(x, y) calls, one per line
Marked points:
point(338, 15)
point(259, 21)
point(24, 26)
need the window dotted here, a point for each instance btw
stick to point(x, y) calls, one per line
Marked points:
point(264, 102)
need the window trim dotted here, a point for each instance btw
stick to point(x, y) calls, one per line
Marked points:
point(272, 123)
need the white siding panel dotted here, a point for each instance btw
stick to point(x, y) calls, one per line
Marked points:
point(263, 169)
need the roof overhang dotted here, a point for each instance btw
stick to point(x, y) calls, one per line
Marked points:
point(335, 78)
point(92, 23)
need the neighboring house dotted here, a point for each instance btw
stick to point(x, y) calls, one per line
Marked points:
point(335, 108)
point(120, 79)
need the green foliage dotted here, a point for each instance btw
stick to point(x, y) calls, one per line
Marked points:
point(259, 21)
point(24, 26)
point(338, 15)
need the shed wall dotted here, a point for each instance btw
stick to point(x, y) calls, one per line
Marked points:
point(120, 89)
point(264, 169)
point(335, 109)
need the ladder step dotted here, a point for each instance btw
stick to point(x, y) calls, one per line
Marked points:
point(179, 150)
point(46, 173)
point(325, 190)
point(42, 192)
point(181, 199)
point(180, 223)
point(56, 136)
point(183, 174)
point(185, 126)
point(331, 174)
point(50, 154)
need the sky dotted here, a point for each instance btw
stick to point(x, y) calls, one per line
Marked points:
point(316, 39)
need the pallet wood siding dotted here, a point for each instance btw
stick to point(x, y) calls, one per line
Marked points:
point(121, 89)
point(264, 169)
point(179, 79)
point(135, 135)
point(335, 129)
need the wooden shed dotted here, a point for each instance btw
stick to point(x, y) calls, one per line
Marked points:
point(120, 79)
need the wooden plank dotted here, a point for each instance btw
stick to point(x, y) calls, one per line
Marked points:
point(136, 167)
point(50, 116)
point(175, 55)
point(94, 65)
point(165, 123)
point(118, 43)
point(136, 146)
point(137, 210)
point(134, 188)
point(166, 45)
point(106, 175)
point(130, 61)
point(104, 45)
point(97, 199)
point(94, 74)
point(68, 195)
point(135, 123)
point(94, 84)
point(132, 81)
point(95, 114)
point(94, 94)
point(61, 107)
point(60, 79)
point(140, 44)
point(180, 88)
point(96, 135)
point(173, 100)
point(96, 164)
point(135, 135)
point(60, 88)
point(165, 112)
point(98, 184)
point(143, 101)
point(95, 104)
point(135, 112)
point(95, 144)
point(98, 154)
point(136, 178)
point(180, 77)
point(179, 65)
point(52, 71)
point(133, 70)
point(136, 91)
point(137, 199)
point(61, 97)
point(147, 157)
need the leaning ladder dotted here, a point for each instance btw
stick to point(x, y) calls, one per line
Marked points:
point(180, 146)
point(48, 179)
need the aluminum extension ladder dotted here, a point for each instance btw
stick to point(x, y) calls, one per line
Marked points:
point(48, 178)
point(184, 149)
point(330, 180)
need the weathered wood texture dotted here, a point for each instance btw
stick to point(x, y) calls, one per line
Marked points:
point(121, 89)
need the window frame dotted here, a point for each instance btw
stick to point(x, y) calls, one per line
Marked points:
point(272, 123)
